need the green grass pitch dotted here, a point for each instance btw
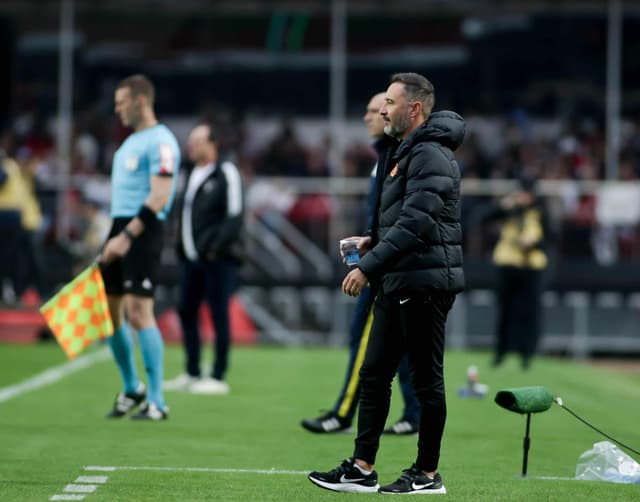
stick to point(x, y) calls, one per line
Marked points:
point(219, 447)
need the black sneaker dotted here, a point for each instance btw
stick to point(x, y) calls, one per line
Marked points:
point(415, 481)
point(346, 478)
point(402, 427)
point(149, 411)
point(125, 403)
point(330, 422)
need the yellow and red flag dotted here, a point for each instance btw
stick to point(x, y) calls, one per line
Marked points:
point(78, 314)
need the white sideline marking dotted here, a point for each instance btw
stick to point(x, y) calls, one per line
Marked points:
point(92, 479)
point(66, 496)
point(52, 375)
point(80, 488)
point(111, 468)
point(557, 478)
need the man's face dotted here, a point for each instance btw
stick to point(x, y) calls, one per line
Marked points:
point(372, 118)
point(198, 145)
point(395, 111)
point(128, 108)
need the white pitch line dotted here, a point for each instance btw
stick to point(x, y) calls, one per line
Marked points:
point(553, 478)
point(98, 480)
point(66, 496)
point(54, 374)
point(111, 468)
point(73, 488)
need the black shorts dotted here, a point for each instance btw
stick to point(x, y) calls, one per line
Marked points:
point(137, 271)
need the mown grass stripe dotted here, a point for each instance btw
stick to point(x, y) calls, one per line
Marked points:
point(52, 375)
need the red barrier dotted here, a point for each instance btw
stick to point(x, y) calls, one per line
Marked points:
point(23, 325)
point(243, 331)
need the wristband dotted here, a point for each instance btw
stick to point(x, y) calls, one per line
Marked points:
point(128, 233)
point(147, 216)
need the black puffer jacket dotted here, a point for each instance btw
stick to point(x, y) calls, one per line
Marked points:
point(416, 232)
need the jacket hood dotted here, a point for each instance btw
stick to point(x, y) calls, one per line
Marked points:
point(445, 127)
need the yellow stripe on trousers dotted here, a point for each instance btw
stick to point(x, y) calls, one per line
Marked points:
point(354, 381)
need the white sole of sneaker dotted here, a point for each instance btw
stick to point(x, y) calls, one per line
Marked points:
point(439, 491)
point(348, 430)
point(345, 487)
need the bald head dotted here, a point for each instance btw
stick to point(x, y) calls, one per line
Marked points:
point(201, 145)
point(372, 117)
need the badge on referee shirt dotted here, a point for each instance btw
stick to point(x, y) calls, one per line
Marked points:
point(167, 159)
point(131, 163)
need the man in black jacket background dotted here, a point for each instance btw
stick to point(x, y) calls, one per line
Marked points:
point(413, 259)
point(211, 216)
point(340, 417)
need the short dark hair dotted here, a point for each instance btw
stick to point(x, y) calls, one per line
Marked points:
point(417, 88)
point(139, 85)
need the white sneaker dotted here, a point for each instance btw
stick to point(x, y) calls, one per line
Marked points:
point(209, 386)
point(180, 383)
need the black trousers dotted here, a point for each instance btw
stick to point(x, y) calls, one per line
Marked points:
point(347, 402)
point(415, 326)
point(213, 281)
point(520, 311)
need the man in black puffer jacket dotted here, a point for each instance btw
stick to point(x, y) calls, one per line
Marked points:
point(413, 259)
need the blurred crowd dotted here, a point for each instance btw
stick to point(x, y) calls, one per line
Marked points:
point(568, 156)
point(502, 147)
point(496, 147)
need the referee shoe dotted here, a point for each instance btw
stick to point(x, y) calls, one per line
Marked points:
point(124, 403)
point(149, 411)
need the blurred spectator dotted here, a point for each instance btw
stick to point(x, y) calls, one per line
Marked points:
point(285, 156)
point(231, 128)
point(86, 149)
point(29, 268)
point(37, 138)
point(472, 160)
point(358, 159)
point(12, 196)
point(521, 258)
point(93, 227)
point(580, 225)
point(317, 159)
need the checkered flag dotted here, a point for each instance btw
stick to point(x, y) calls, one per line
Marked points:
point(78, 314)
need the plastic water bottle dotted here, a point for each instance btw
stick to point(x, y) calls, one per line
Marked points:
point(606, 462)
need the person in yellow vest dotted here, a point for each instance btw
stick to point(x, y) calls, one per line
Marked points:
point(521, 258)
point(12, 195)
point(29, 271)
